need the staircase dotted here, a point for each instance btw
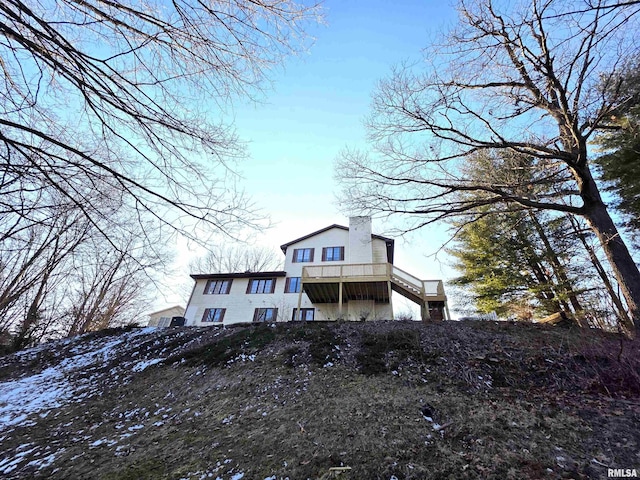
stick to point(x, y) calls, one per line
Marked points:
point(416, 290)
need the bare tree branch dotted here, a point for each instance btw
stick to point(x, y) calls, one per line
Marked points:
point(526, 81)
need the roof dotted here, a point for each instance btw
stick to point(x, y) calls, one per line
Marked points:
point(389, 241)
point(167, 309)
point(202, 276)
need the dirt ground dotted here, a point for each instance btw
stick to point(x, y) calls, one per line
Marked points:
point(365, 400)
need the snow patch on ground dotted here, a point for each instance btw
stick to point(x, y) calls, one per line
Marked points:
point(140, 366)
point(19, 398)
point(57, 385)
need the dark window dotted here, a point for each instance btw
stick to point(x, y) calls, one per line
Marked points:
point(265, 315)
point(213, 315)
point(261, 285)
point(302, 255)
point(292, 285)
point(306, 314)
point(332, 254)
point(217, 287)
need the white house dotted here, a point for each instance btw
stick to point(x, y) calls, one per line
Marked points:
point(162, 318)
point(334, 273)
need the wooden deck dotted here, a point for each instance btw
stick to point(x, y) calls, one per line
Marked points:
point(371, 281)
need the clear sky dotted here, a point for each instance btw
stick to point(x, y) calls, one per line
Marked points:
point(316, 107)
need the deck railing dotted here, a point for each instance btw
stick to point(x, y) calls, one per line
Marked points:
point(385, 272)
point(429, 288)
point(347, 270)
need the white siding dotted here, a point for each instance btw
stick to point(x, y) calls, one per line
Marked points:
point(336, 237)
point(368, 310)
point(160, 318)
point(379, 251)
point(240, 305)
point(360, 248)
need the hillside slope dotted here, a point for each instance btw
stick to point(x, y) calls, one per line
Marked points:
point(375, 400)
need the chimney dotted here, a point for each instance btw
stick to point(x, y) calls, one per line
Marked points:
point(360, 246)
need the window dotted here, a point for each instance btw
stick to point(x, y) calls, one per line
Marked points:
point(217, 287)
point(292, 285)
point(213, 315)
point(265, 315)
point(164, 322)
point(302, 255)
point(306, 314)
point(261, 285)
point(332, 254)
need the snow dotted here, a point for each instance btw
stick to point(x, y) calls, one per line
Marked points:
point(140, 366)
point(71, 371)
point(7, 465)
point(45, 390)
point(52, 387)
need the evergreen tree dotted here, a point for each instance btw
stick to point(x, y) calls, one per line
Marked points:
point(509, 266)
point(516, 260)
point(619, 164)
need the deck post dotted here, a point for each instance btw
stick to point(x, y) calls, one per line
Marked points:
point(299, 315)
point(424, 311)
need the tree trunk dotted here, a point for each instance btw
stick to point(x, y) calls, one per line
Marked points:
point(558, 269)
point(622, 264)
point(616, 251)
point(621, 312)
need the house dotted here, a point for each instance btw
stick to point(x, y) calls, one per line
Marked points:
point(334, 273)
point(162, 318)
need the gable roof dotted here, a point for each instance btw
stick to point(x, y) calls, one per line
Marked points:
point(388, 241)
point(167, 309)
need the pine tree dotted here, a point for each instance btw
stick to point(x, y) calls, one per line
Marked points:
point(507, 261)
point(619, 166)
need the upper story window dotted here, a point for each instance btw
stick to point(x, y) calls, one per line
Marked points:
point(332, 254)
point(213, 315)
point(292, 285)
point(302, 255)
point(261, 285)
point(217, 287)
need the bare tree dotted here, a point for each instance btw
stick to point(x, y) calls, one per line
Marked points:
point(129, 94)
point(106, 290)
point(224, 258)
point(60, 275)
point(537, 80)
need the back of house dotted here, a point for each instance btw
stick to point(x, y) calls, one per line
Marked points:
point(333, 273)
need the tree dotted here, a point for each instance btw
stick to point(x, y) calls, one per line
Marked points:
point(620, 141)
point(31, 261)
point(516, 263)
point(225, 258)
point(64, 277)
point(527, 81)
point(107, 287)
point(126, 96)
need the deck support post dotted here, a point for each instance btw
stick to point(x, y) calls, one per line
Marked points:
point(390, 290)
point(424, 311)
point(340, 300)
point(299, 314)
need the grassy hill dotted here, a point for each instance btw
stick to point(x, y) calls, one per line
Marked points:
point(375, 400)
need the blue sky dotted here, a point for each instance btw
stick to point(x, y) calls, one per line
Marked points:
point(316, 107)
point(319, 101)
